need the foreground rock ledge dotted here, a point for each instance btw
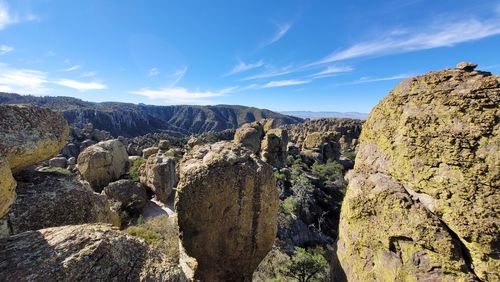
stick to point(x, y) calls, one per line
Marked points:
point(227, 204)
point(82, 253)
point(422, 201)
point(28, 135)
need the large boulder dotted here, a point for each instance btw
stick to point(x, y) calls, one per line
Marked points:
point(53, 199)
point(28, 135)
point(159, 175)
point(227, 204)
point(249, 136)
point(129, 194)
point(422, 201)
point(103, 163)
point(82, 253)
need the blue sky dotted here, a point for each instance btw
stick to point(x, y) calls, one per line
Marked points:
point(280, 55)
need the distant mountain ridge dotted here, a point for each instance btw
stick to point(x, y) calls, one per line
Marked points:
point(316, 115)
point(132, 120)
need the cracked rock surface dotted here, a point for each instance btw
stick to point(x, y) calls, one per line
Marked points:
point(422, 201)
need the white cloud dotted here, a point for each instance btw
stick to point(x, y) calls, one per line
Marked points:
point(242, 66)
point(369, 79)
point(23, 81)
point(7, 17)
point(154, 72)
point(178, 75)
point(72, 68)
point(81, 86)
point(282, 83)
point(437, 35)
point(331, 70)
point(89, 74)
point(281, 31)
point(4, 49)
point(50, 53)
point(181, 95)
point(273, 73)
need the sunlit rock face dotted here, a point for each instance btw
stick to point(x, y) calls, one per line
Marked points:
point(422, 201)
point(227, 205)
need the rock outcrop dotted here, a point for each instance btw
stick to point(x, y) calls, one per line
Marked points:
point(52, 199)
point(28, 135)
point(129, 194)
point(264, 139)
point(82, 253)
point(159, 175)
point(227, 204)
point(422, 202)
point(103, 163)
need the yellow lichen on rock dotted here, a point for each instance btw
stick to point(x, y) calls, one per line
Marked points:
point(7, 187)
point(436, 137)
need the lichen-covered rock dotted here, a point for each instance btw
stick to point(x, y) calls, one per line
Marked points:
point(422, 202)
point(28, 135)
point(7, 187)
point(103, 163)
point(130, 194)
point(159, 175)
point(274, 147)
point(249, 136)
point(149, 152)
point(82, 253)
point(60, 162)
point(227, 203)
point(52, 199)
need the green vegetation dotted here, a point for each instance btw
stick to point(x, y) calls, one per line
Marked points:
point(289, 206)
point(349, 154)
point(280, 176)
point(134, 168)
point(306, 266)
point(329, 172)
point(161, 233)
point(57, 170)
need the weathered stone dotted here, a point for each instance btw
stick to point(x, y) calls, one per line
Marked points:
point(102, 163)
point(130, 194)
point(58, 162)
point(71, 150)
point(72, 161)
point(249, 136)
point(158, 174)
point(82, 253)
point(422, 201)
point(227, 203)
point(86, 143)
point(30, 135)
point(466, 66)
point(7, 187)
point(274, 147)
point(164, 145)
point(149, 152)
point(53, 199)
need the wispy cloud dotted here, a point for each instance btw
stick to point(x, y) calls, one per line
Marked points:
point(81, 86)
point(434, 36)
point(331, 70)
point(8, 17)
point(24, 81)
point(363, 80)
point(50, 53)
point(89, 74)
point(281, 30)
point(181, 95)
point(178, 75)
point(273, 72)
point(282, 83)
point(154, 72)
point(4, 49)
point(72, 68)
point(242, 66)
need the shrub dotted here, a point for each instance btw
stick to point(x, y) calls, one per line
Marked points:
point(328, 172)
point(349, 154)
point(161, 233)
point(280, 176)
point(306, 266)
point(289, 205)
point(134, 168)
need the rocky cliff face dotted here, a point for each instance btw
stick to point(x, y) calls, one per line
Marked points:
point(131, 120)
point(28, 135)
point(227, 203)
point(82, 253)
point(422, 202)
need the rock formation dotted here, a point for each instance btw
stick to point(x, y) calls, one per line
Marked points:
point(28, 135)
point(51, 199)
point(103, 163)
point(227, 203)
point(422, 202)
point(159, 175)
point(129, 194)
point(263, 138)
point(82, 253)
